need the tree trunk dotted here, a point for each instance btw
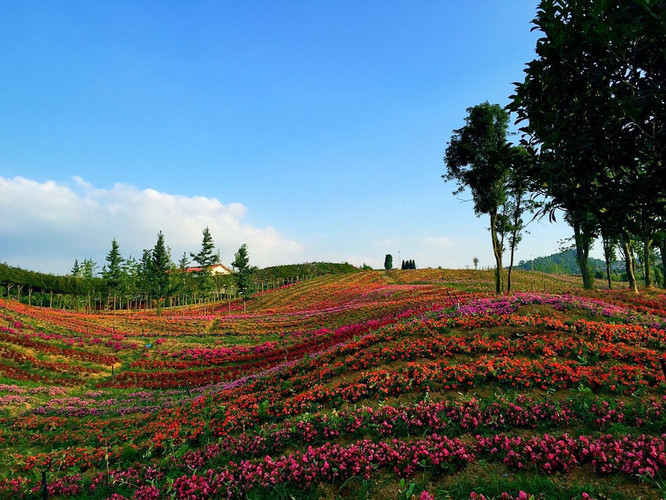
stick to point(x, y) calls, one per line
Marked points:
point(514, 235)
point(662, 252)
point(497, 252)
point(582, 255)
point(647, 246)
point(629, 265)
point(513, 250)
point(608, 251)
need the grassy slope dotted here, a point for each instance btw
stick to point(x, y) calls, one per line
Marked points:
point(352, 379)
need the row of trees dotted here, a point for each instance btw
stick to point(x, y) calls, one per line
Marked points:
point(127, 282)
point(592, 111)
point(408, 264)
point(42, 288)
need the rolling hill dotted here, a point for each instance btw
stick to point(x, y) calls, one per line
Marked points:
point(398, 384)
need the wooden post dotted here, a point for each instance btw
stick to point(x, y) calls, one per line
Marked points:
point(45, 490)
point(455, 304)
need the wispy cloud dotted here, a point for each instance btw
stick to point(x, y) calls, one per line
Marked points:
point(46, 225)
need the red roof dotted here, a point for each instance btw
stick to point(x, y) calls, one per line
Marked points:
point(215, 266)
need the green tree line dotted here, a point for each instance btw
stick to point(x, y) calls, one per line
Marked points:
point(155, 280)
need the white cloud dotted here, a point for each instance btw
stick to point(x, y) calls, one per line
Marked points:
point(46, 225)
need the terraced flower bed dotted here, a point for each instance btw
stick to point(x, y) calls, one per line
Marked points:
point(380, 385)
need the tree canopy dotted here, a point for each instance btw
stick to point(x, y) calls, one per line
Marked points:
point(476, 159)
point(592, 103)
point(243, 270)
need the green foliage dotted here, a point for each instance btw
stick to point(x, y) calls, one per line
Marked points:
point(479, 158)
point(473, 154)
point(559, 263)
point(76, 269)
point(205, 258)
point(493, 483)
point(243, 270)
point(388, 261)
point(11, 275)
point(180, 280)
point(88, 269)
point(113, 271)
point(160, 264)
point(292, 272)
point(592, 103)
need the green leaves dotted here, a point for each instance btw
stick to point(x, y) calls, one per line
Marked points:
point(244, 271)
point(593, 102)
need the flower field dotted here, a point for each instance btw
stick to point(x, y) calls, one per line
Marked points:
point(401, 384)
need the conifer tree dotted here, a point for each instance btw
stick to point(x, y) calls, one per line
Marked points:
point(113, 271)
point(160, 264)
point(243, 270)
point(206, 258)
point(76, 269)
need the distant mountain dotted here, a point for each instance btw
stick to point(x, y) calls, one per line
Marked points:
point(559, 263)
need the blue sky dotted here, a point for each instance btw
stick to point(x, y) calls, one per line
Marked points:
point(309, 130)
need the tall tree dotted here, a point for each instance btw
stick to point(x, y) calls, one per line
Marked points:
point(592, 103)
point(475, 159)
point(205, 258)
point(130, 279)
point(76, 269)
point(388, 261)
point(88, 273)
point(180, 278)
point(520, 161)
point(145, 273)
point(112, 272)
point(160, 265)
point(88, 269)
point(609, 244)
point(183, 262)
point(243, 270)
